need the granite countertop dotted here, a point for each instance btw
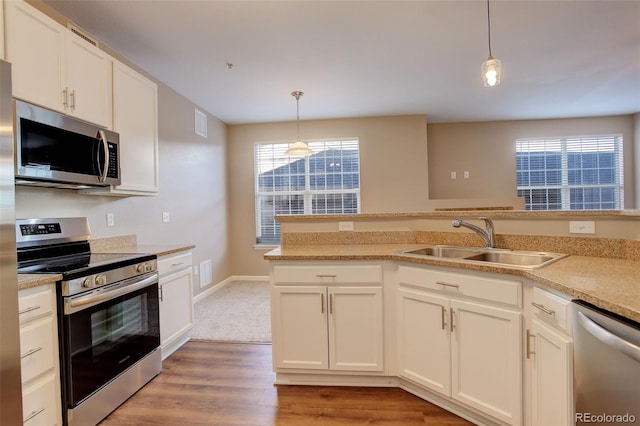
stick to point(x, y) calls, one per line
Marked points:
point(34, 280)
point(612, 284)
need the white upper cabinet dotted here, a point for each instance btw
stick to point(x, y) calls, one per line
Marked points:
point(135, 119)
point(55, 68)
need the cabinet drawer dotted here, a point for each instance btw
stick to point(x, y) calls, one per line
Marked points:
point(465, 285)
point(35, 302)
point(39, 407)
point(36, 348)
point(174, 263)
point(327, 274)
point(551, 308)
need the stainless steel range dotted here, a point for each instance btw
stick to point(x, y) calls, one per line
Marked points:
point(108, 315)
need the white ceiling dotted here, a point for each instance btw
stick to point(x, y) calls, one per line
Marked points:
point(370, 58)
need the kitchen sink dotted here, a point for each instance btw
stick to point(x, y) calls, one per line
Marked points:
point(443, 251)
point(520, 259)
point(515, 258)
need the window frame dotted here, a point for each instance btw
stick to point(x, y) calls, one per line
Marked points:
point(568, 145)
point(308, 194)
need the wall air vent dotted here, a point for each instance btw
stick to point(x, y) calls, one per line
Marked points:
point(82, 34)
point(200, 123)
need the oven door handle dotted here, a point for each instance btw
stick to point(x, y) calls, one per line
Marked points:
point(75, 305)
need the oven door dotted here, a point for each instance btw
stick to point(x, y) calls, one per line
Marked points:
point(106, 331)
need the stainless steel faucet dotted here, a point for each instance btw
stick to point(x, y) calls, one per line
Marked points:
point(486, 234)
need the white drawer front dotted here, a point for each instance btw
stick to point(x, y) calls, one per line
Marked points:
point(36, 348)
point(464, 285)
point(174, 263)
point(35, 302)
point(551, 308)
point(39, 406)
point(327, 274)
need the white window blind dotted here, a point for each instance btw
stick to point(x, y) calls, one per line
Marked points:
point(571, 173)
point(325, 182)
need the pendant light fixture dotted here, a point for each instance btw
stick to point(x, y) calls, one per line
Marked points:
point(298, 148)
point(491, 67)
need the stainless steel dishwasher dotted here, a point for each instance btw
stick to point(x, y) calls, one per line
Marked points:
point(606, 367)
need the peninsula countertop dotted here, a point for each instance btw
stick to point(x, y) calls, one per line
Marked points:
point(611, 284)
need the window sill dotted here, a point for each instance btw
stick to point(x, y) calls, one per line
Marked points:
point(265, 246)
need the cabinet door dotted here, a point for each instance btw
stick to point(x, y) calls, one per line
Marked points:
point(176, 307)
point(552, 381)
point(88, 77)
point(299, 327)
point(355, 328)
point(35, 48)
point(424, 338)
point(135, 118)
point(486, 359)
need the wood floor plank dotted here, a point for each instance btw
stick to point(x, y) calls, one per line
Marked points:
point(217, 383)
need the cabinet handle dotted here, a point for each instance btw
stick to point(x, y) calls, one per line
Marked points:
point(322, 303)
point(325, 276)
point(160, 291)
point(543, 309)
point(72, 98)
point(173, 265)
point(444, 316)
point(529, 336)
point(29, 309)
point(451, 314)
point(65, 100)
point(331, 304)
point(446, 284)
point(31, 352)
point(32, 415)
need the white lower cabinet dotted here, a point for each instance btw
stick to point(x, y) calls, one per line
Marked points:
point(176, 301)
point(462, 348)
point(550, 354)
point(336, 324)
point(41, 398)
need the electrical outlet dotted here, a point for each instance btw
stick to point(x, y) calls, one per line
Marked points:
point(582, 227)
point(345, 226)
point(465, 174)
point(454, 175)
point(110, 219)
point(166, 217)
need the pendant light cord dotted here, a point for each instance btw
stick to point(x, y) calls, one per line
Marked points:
point(489, 28)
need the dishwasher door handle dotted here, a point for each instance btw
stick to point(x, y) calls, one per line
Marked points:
point(605, 336)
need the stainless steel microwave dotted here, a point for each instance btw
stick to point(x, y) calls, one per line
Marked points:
point(56, 150)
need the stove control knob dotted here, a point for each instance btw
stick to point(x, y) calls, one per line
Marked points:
point(147, 267)
point(88, 282)
point(140, 267)
point(101, 280)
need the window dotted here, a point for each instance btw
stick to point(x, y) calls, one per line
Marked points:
point(325, 182)
point(571, 173)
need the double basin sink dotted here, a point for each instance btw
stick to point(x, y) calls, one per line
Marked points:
point(503, 257)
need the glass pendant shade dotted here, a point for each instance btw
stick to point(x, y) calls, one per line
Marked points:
point(491, 70)
point(298, 149)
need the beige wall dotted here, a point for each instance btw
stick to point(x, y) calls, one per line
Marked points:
point(487, 151)
point(193, 189)
point(393, 174)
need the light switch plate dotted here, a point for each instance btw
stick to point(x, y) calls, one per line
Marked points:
point(166, 217)
point(110, 219)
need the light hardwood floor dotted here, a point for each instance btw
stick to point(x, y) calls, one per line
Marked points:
point(209, 383)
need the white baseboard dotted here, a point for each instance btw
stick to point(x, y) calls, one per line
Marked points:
point(212, 289)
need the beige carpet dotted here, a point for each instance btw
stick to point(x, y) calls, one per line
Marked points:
point(239, 312)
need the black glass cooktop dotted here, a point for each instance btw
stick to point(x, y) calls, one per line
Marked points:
point(80, 262)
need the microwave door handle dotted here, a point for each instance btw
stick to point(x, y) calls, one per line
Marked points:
point(105, 148)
